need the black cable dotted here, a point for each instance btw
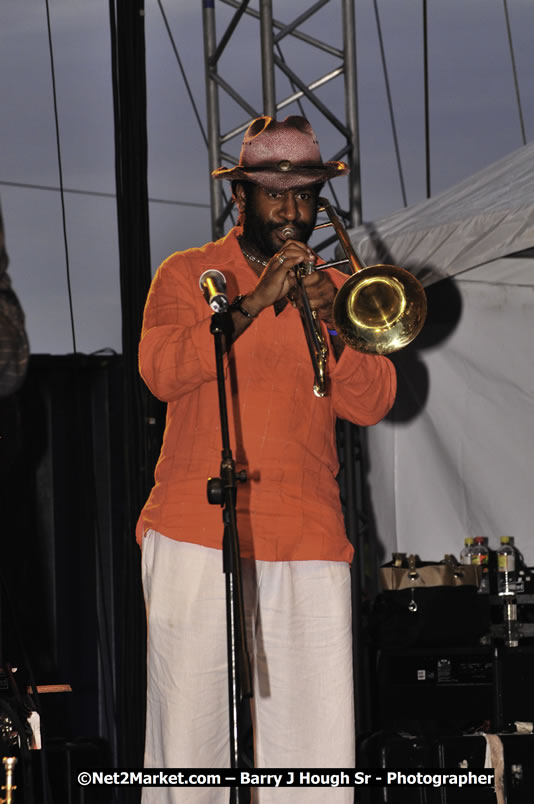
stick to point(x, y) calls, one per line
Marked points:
point(514, 71)
point(427, 122)
point(60, 170)
point(180, 65)
point(390, 104)
point(189, 92)
point(27, 186)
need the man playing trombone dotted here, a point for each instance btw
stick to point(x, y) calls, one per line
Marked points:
point(295, 553)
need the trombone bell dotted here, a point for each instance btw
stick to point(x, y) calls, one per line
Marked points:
point(380, 309)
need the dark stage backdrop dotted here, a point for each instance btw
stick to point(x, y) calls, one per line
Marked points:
point(69, 606)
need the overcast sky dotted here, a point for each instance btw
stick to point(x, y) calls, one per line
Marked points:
point(473, 114)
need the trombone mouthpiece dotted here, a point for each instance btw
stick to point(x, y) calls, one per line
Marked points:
point(288, 231)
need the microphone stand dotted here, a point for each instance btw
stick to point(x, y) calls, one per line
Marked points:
point(223, 491)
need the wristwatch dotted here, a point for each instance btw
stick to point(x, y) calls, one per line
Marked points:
point(236, 305)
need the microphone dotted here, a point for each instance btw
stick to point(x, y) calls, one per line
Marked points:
point(212, 283)
point(306, 267)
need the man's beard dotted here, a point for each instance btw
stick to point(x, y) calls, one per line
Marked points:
point(259, 233)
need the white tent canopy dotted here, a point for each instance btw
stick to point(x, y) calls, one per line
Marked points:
point(456, 457)
point(483, 218)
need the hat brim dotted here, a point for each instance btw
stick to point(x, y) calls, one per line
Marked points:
point(277, 179)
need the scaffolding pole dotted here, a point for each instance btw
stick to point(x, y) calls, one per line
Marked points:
point(273, 35)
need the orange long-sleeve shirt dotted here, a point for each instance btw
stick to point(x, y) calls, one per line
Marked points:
point(280, 432)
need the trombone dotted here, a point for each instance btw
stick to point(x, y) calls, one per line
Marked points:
point(378, 310)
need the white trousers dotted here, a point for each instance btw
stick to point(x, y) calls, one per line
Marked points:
point(300, 643)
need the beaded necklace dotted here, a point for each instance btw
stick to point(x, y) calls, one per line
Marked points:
point(251, 256)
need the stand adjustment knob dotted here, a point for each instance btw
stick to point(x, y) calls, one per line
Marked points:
point(215, 491)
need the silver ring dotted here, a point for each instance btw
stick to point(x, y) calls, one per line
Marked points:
point(281, 258)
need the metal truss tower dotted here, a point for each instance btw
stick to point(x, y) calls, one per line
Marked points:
point(273, 45)
point(281, 87)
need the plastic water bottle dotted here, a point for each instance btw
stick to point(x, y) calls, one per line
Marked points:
point(506, 567)
point(480, 556)
point(467, 551)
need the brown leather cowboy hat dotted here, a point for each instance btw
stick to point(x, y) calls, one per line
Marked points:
point(280, 155)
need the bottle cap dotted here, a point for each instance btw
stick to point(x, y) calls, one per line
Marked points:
point(480, 539)
point(468, 540)
point(506, 539)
